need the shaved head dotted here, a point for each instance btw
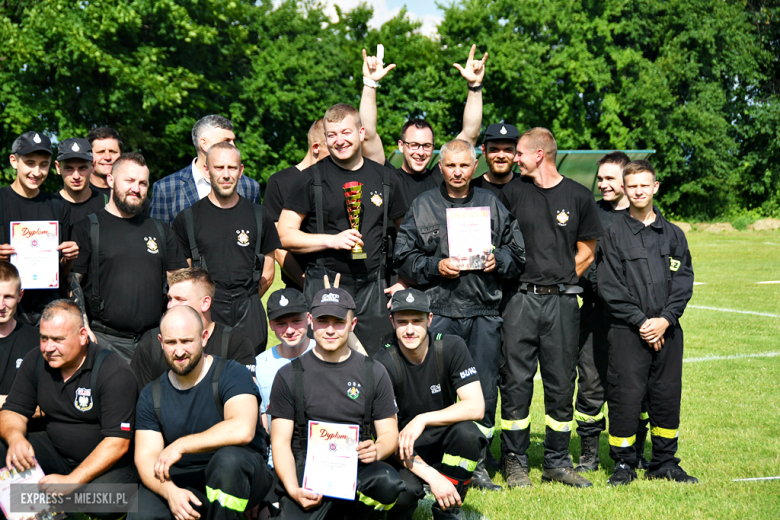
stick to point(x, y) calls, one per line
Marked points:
point(182, 318)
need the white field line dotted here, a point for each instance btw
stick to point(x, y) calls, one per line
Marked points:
point(760, 283)
point(734, 356)
point(701, 283)
point(733, 310)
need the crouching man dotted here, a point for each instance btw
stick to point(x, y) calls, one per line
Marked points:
point(332, 383)
point(439, 444)
point(198, 447)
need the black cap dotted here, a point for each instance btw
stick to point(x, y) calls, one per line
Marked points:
point(74, 148)
point(30, 142)
point(501, 131)
point(286, 301)
point(332, 302)
point(410, 300)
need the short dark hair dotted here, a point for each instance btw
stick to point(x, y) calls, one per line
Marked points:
point(52, 309)
point(638, 167)
point(104, 132)
point(416, 122)
point(196, 275)
point(316, 133)
point(9, 273)
point(130, 157)
point(616, 157)
point(340, 111)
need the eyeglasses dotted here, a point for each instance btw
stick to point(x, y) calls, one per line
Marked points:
point(416, 146)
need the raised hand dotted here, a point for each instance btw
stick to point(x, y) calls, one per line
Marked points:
point(474, 71)
point(373, 68)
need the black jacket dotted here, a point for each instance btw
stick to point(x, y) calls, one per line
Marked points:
point(644, 271)
point(422, 243)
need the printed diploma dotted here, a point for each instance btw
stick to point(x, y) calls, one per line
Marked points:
point(36, 258)
point(332, 459)
point(468, 233)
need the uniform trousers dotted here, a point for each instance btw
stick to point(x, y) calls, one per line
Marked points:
point(453, 451)
point(592, 359)
point(378, 488)
point(539, 330)
point(635, 369)
point(124, 345)
point(243, 309)
point(482, 335)
point(235, 479)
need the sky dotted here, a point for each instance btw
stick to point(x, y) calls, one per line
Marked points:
point(384, 10)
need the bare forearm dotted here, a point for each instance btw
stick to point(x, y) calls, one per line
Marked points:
point(297, 241)
point(267, 278)
point(460, 411)
point(368, 111)
point(102, 458)
point(12, 426)
point(420, 468)
point(386, 444)
point(284, 464)
point(236, 432)
point(290, 265)
point(472, 117)
point(145, 465)
point(582, 261)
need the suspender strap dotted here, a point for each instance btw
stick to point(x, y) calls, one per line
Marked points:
point(215, 386)
point(444, 382)
point(157, 353)
point(317, 187)
point(257, 268)
point(157, 400)
point(164, 243)
point(385, 203)
point(299, 401)
point(101, 355)
point(189, 223)
point(399, 373)
point(96, 303)
point(226, 333)
point(368, 394)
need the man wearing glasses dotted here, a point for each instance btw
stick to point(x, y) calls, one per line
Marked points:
point(417, 139)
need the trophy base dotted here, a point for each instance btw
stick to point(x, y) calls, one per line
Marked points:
point(359, 256)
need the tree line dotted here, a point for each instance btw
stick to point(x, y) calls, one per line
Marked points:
point(695, 80)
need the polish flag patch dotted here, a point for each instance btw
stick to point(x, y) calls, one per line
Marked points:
point(125, 426)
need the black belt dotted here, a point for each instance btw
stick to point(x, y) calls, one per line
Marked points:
point(550, 289)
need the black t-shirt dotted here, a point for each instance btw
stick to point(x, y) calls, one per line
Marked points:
point(332, 392)
point(13, 348)
point(191, 411)
point(482, 182)
point(335, 212)
point(226, 238)
point(43, 206)
point(423, 392)
point(414, 184)
point(280, 185)
point(131, 269)
point(71, 418)
point(148, 361)
point(552, 220)
point(80, 210)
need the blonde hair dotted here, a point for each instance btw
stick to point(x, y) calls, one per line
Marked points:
point(541, 139)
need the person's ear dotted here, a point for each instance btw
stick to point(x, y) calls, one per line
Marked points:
point(205, 303)
point(354, 324)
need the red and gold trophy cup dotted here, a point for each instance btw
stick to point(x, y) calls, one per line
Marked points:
point(353, 191)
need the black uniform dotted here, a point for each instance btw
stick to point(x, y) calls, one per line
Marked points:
point(13, 348)
point(541, 318)
point(15, 208)
point(228, 480)
point(482, 182)
point(226, 240)
point(363, 279)
point(131, 276)
point(72, 426)
point(341, 393)
point(453, 450)
point(466, 306)
point(414, 184)
point(644, 272)
point(80, 210)
point(593, 348)
point(280, 184)
point(149, 363)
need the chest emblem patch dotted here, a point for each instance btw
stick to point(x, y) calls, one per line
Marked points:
point(353, 390)
point(18, 363)
point(376, 198)
point(151, 245)
point(243, 237)
point(674, 265)
point(562, 217)
point(83, 401)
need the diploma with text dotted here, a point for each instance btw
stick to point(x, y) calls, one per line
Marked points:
point(332, 459)
point(469, 237)
point(36, 258)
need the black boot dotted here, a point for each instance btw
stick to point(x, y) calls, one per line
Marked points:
point(622, 476)
point(589, 458)
point(480, 479)
point(641, 461)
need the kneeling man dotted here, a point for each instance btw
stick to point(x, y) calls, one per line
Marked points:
point(198, 447)
point(439, 445)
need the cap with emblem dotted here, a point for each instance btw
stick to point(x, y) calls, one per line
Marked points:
point(286, 301)
point(332, 302)
point(30, 142)
point(74, 148)
point(498, 131)
point(410, 300)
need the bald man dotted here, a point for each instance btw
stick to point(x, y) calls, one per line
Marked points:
point(199, 446)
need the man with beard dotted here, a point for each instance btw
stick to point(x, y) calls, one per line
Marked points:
point(24, 200)
point(416, 141)
point(74, 164)
point(316, 225)
point(227, 235)
point(498, 148)
point(125, 256)
point(199, 447)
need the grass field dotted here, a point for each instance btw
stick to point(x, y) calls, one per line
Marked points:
point(730, 425)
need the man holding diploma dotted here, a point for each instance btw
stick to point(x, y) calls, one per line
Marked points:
point(332, 383)
point(464, 302)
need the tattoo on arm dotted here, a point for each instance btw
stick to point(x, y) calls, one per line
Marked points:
point(76, 294)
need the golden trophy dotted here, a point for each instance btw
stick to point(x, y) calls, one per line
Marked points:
point(353, 191)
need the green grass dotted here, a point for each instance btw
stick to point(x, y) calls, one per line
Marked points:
point(730, 425)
